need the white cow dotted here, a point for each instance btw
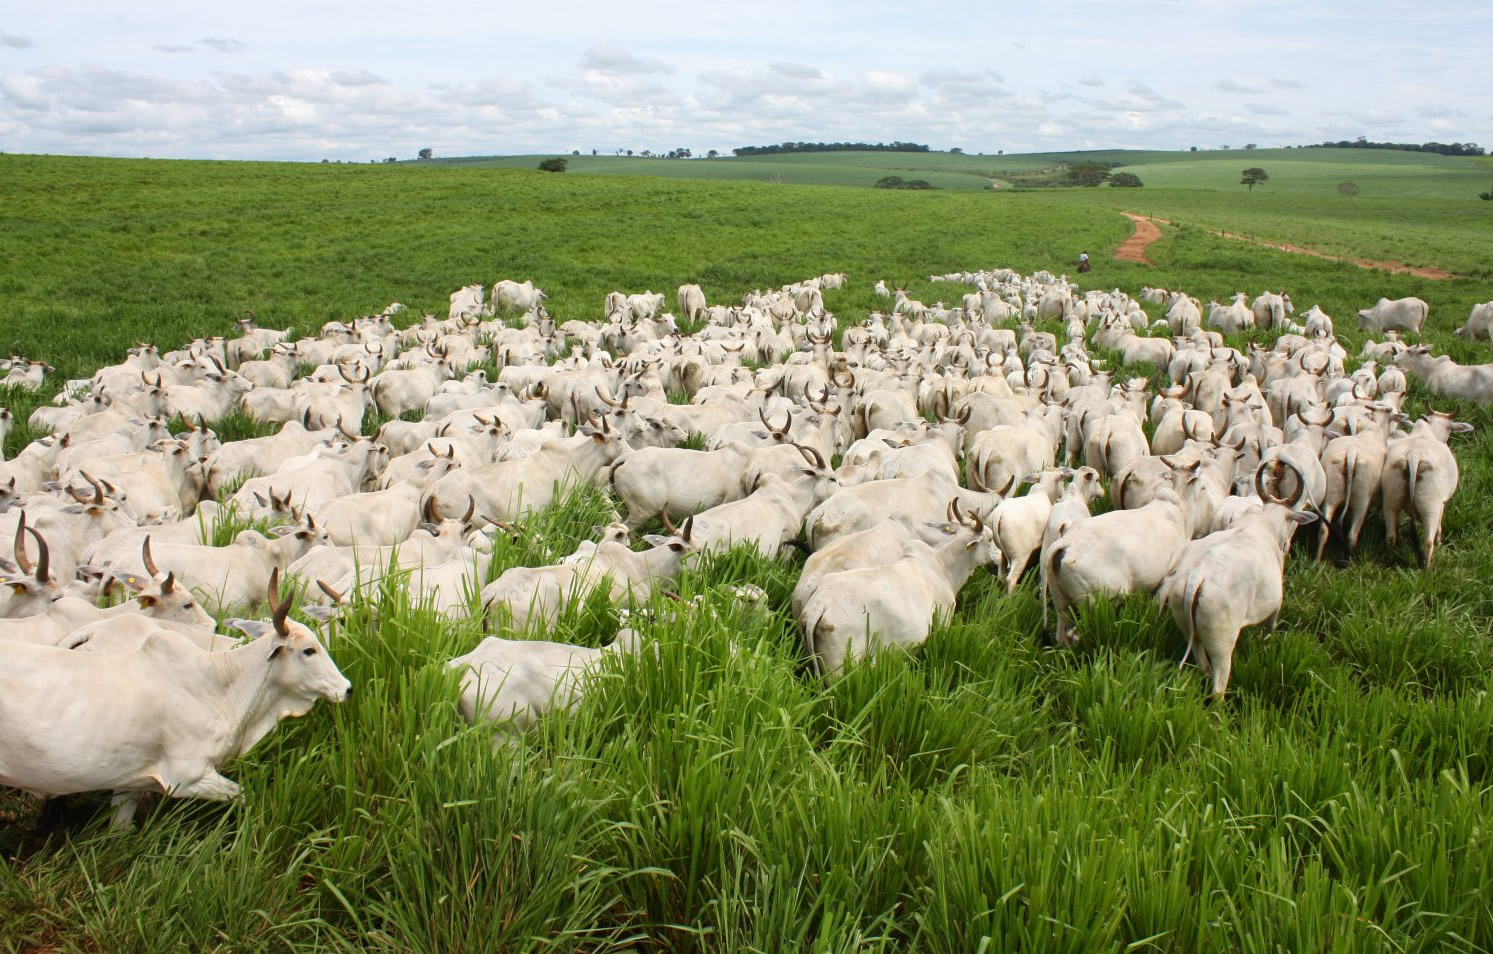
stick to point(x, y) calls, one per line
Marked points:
point(897, 604)
point(1405, 313)
point(1228, 580)
point(691, 302)
point(1420, 476)
point(160, 719)
point(511, 683)
point(1479, 324)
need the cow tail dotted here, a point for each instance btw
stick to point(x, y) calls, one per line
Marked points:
point(1192, 601)
point(811, 638)
point(1350, 479)
point(1412, 464)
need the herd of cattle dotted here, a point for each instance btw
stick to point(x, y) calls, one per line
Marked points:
point(895, 459)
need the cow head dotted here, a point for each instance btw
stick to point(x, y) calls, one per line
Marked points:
point(299, 666)
point(29, 588)
point(160, 594)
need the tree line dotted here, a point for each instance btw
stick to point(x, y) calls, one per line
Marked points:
point(829, 147)
point(1443, 148)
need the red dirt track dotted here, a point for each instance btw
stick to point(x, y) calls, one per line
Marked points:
point(1133, 249)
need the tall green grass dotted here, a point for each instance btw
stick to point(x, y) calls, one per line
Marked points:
point(990, 793)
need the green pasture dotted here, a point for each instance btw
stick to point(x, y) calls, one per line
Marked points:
point(821, 168)
point(991, 794)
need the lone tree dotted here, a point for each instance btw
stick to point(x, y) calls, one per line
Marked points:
point(1087, 174)
point(1347, 187)
point(1125, 180)
point(1253, 176)
point(426, 153)
point(553, 165)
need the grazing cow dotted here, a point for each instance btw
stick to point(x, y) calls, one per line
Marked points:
point(1228, 580)
point(691, 302)
point(162, 718)
point(1479, 324)
point(512, 683)
point(1408, 314)
point(897, 604)
point(1420, 476)
point(1114, 554)
point(521, 295)
point(1271, 309)
point(1442, 375)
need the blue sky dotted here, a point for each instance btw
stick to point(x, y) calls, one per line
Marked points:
point(356, 81)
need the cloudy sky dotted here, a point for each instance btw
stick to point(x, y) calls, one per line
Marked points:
point(288, 79)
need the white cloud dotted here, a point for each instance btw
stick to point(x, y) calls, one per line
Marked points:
point(479, 79)
point(797, 70)
point(223, 44)
point(356, 78)
point(611, 60)
point(1230, 85)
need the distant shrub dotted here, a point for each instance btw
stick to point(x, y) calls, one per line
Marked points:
point(897, 182)
point(1347, 188)
point(1125, 180)
point(553, 165)
point(1486, 195)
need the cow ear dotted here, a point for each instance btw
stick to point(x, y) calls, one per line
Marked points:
point(253, 628)
point(146, 600)
point(1461, 426)
point(279, 648)
point(131, 581)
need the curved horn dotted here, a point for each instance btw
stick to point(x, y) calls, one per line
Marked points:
point(954, 511)
point(1300, 484)
point(1264, 494)
point(43, 558)
point(976, 482)
point(668, 524)
point(1317, 419)
point(605, 399)
point(22, 561)
point(811, 454)
point(331, 593)
point(98, 489)
point(278, 610)
point(689, 525)
point(471, 509)
point(169, 583)
point(145, 557)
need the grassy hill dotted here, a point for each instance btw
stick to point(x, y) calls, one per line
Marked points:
point(1417, 208)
